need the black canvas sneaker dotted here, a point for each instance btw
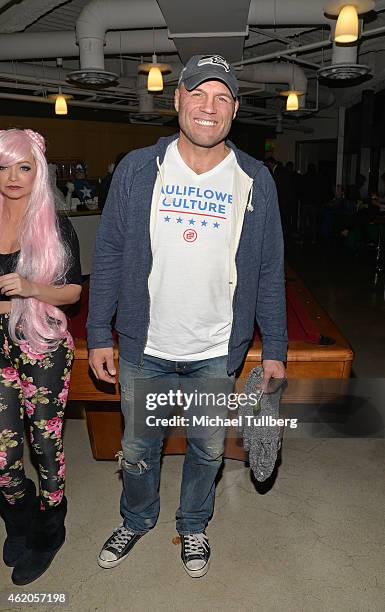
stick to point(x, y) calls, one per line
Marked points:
point(195, 554)
point(117, 547)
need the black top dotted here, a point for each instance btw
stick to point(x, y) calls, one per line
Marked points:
point(8, 261)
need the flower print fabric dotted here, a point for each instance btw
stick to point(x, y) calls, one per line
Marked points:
point(34, 385)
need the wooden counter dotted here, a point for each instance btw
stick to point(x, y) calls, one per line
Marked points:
point(306, 361)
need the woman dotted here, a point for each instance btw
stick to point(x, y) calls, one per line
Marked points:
point(39, 273)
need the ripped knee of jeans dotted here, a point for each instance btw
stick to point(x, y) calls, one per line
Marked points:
point(215, 453)
point(210, 452)
point(135, 467)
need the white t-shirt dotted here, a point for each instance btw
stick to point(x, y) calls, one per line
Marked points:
point(190, 304)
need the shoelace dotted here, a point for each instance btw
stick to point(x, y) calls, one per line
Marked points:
point(196, 544)
point(120, 538)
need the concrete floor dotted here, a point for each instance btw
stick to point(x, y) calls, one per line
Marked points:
point(313, 542)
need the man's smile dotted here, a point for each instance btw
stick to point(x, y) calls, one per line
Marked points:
point(205, 122)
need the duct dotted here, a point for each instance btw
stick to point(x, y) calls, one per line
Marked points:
point(221, 30)
point(291, 74)
point(353, 96)
point(344, 54)
point(146, 100)
point(99, 16)
point(49, 45)
point(267, 73)
point(146, 13)
point(39, 73)
point(344, 65)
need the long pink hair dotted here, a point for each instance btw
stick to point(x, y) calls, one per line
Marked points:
point(43, 255)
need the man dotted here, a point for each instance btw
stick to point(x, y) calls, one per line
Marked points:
point(189, 251)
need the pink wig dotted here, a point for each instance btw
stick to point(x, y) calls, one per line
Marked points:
point(43, 256)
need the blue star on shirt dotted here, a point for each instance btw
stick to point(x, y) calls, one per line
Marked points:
point(179, 220)
point(167, 219)
point(192, 221)
point(204, 223)
point(216, 224)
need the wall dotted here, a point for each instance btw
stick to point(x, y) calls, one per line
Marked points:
point(99, 142)
point(95, 142)
point(324, 126)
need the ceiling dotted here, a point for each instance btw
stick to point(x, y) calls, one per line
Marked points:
point(262, 38)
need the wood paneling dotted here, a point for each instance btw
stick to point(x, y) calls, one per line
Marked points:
point(96, 142)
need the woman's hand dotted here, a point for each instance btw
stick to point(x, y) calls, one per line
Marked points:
point(14, 284)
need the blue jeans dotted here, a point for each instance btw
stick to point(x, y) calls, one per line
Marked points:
point(139, 504)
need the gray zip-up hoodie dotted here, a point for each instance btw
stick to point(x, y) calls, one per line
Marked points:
point(123, 259)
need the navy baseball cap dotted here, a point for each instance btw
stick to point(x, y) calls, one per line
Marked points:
point(202, 68)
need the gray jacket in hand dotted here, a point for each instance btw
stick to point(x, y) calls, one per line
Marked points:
point(261, 439)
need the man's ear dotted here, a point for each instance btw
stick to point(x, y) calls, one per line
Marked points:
point(176, 100)
point(236, 108)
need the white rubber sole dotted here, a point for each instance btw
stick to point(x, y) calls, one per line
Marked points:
point(197, 573)
point(111, 564)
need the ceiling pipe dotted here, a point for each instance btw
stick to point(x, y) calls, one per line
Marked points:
point(95, 19)
point(291, 74)
point(262, 73)
point(277, 54)
point(146, 13)
point(98, 16)
point(344, 54)
point(343, 66)
point(49, 45)
point(146, 100)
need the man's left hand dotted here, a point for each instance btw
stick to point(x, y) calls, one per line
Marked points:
point(272, 369)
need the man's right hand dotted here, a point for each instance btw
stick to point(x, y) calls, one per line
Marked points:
point(101, 362)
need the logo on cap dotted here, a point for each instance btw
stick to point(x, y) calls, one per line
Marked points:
point(214, 60)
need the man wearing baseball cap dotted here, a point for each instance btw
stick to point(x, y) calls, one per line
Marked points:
point(189, 254)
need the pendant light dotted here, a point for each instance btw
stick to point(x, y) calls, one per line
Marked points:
point(154, 70)
point(60, 100)
point(60, 104)
point(155, 79)
point(292, 101)
point(347, 25)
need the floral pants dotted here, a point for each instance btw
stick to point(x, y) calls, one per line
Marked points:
point(34, 385)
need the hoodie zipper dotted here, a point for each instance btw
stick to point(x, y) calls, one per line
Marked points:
point(249, 208)
point(152, 261)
